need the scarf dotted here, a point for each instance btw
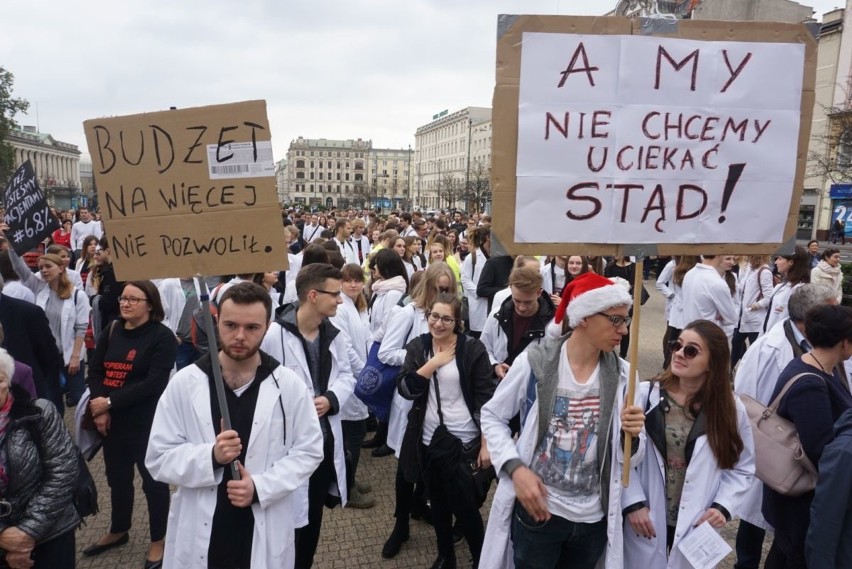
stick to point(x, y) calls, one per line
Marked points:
point(828, 269)
point(386, 285)
point(4, 457)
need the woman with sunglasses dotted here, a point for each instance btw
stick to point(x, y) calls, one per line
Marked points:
point(129, 371)
point(449, 377)
point(407, 322)
point(701, 455)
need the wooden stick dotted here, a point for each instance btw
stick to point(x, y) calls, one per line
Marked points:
point(633, 355)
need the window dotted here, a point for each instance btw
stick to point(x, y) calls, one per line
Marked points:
point(359, 177)
point(347, 176)
point(338, 176)
point(312, 175)
point(320, 175)
point(312, 187)
point(844, 149)
point(300, 163)
point(329, 162)
point(312, 163)
point(320, 188)
point(300, 175)
point(359, 165)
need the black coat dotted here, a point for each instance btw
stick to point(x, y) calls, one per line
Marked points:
point(43, 466)
point(28, 340)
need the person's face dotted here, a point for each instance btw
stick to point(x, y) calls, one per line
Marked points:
point(5, 384)
point(90, 248)
point(783, 265)
point(49, 270)
point(66, 226)
point(463, 245)
point(346, 230)
point(834, 260)
point(326, 299)
point(66, 258)
point(727, 263)
point(422, 231)
point(574, 265)
point(352, 288)
point(357, 230)
point(241, 329)
point(452, 238)
point(443, 284)
point(471, 223)
point(414, 248)
point(526, 303)
point(438, 327)
point(399, 247)
point(456, 217)
point(85, 215)
point(602, 333)
point(134, 305)
point(270, 278)
point(436, 253)
point(813, 248)
point(686, 367)
point(314, 220)
point(375, 235)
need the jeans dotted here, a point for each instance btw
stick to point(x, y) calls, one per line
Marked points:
point(75, 384)
point(557, 543)
point(738, 344)
point(186, 354)
point(354, 433)
point(749, 546)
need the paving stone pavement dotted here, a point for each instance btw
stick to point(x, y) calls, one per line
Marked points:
point(353, 539)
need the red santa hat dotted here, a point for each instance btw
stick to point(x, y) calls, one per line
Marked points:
point(589, 294)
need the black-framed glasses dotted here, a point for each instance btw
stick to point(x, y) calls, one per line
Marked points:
point(617, 320)
point(328, 292)
point(434, 317)
point(689, 351)
point(131, 300)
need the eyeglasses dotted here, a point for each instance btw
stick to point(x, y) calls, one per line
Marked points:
point(131, 300)
point(689, 351)
point(617, 320)
point(443, 289)
point(328, 292)
point(434, 317)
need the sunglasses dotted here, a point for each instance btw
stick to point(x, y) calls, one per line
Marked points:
point(689, 352)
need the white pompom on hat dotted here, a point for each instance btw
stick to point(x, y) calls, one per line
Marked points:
point(589, 294)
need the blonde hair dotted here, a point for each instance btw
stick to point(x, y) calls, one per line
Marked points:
point(525, 279)
point(423, 295)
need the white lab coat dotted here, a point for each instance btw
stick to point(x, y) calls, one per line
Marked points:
point(173, 299)
point(666, 287)
point(179, 453)
point(776, 303)
point(478, 306)
point(705, 484)
point(706, 296)
point(497, 550)
point(753, 291)
point(347, 250)
point(356, 328)
point(405, 322)
point(287, 349)
point(497, 343)
point(380, 312)
point(757, 375)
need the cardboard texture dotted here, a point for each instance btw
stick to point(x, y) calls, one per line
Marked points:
point(505, 121)
point(188, 192)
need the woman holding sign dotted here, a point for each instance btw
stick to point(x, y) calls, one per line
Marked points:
point(703, 456)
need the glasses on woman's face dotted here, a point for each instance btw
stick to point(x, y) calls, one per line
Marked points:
point(131, 300)
point(434, 317)
point(443, 289)
point(689, 352)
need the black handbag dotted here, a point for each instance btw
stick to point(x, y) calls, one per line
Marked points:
point(455, 462)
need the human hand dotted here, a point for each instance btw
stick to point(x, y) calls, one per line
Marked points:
point(322, 405)
point(714, 516)
point(484, 459)
point(556, 299)
point(22, 560)
point(13, 539)
point(640, 521)
point(227, 447)
point(441, 359)
point(632, 420)
point(74, 365)
point(241, 492)
point(103, 422)
point(531, 493)
point(98, 406)
point(501, 370)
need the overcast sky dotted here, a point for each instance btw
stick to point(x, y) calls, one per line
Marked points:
point(373, 69)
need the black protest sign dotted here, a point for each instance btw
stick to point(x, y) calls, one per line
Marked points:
point(27, 213)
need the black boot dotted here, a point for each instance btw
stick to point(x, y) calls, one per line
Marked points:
point(382, 451)
point(398, 536)
point(379, 439)
point(445, 562)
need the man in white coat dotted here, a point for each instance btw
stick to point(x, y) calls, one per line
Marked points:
point(304, 340)
point(275, 439)
point(706, 295)
point(558, 503)
point(756, 377)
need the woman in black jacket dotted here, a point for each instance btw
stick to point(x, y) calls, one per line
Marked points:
point(449, 376)
point(38, 464)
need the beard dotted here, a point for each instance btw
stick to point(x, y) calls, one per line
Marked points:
point(250, 352)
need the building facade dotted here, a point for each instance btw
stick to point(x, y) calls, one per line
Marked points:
point(449, 152)
point(56, 165)
point(389, 178)
point(281, 181)
point(328, 173)
point(731, 10)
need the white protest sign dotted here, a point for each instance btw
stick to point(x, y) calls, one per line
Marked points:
point(644, 139)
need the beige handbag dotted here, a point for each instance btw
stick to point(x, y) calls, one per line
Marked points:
point(780, 460)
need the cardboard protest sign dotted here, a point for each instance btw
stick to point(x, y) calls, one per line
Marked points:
point(692, 140)
point(187, 192)
point(28, 215)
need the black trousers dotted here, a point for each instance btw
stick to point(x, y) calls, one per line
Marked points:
point(354, 433)
point(307, 537)
point(120, 456)
point(409, 497)
point(58, 553)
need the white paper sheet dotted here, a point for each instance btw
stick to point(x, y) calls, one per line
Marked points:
point(703, 547)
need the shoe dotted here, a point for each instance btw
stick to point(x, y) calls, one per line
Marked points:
point(363, 487)
point(383, 450)
point(97, 549)
point(375, 442)
point(444, 563)
point(360, 501)
point(398, 536)
point(153, 564)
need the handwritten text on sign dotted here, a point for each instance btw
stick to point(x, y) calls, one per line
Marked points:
point(189, 191)
point(633, 139)
point(27, 213)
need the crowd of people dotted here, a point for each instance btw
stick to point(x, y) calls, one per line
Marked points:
point(495, 368)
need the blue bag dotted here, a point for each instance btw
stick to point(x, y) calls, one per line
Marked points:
point(376, 384)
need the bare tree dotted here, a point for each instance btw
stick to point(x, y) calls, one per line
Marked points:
point(830, 153)
point(450, 190)
point(478, 191)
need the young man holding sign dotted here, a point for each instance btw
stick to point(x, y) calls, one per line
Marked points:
point(560, 497)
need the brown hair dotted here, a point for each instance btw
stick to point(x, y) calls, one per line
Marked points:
point(354, 272)
point(64, 289)
point(151, 293)
point(683, 266)
point(525, 279)
point(454, 303)
point(715, 398)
